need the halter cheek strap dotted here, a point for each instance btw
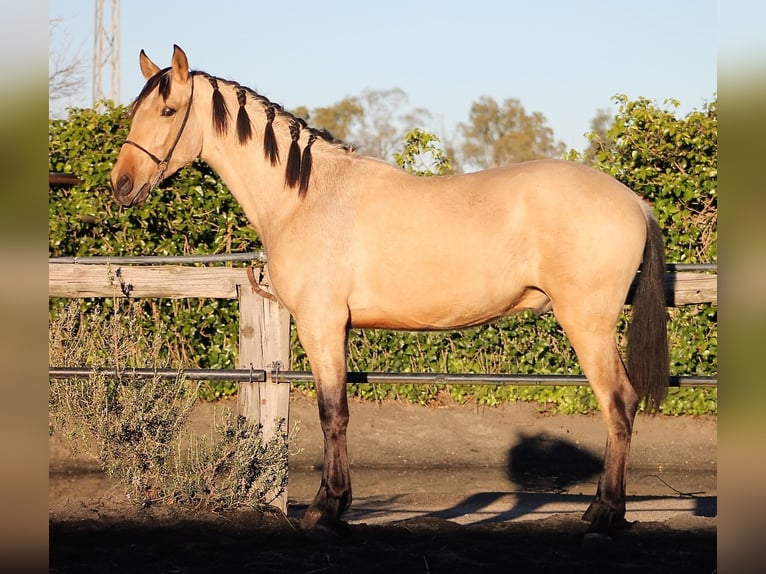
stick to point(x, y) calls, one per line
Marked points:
point(162, 164)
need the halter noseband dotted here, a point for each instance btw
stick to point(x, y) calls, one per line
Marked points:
point(162, 164)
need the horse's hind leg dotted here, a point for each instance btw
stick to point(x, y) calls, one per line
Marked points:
point(593, 339)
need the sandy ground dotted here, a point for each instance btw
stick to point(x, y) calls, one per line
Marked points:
point(436, 489)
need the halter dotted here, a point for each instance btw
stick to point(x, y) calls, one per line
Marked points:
point(162, 164)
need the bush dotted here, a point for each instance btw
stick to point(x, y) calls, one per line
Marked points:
point(138, 429)
point(673, 162)
point(191, 213)
point(670, 161)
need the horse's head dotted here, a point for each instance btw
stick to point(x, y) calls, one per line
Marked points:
point(162, 136)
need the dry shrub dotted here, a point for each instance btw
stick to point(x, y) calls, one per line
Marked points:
point(138, 429)
point(232, 466)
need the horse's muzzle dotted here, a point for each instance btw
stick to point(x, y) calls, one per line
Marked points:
point(124, 192)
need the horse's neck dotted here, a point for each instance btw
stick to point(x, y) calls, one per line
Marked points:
point(257, 185)
point(254, 184)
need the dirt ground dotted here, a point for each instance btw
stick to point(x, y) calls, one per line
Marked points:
point(436, 489)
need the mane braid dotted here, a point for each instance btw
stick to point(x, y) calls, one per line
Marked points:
point(299, 164)
point(244, 129)
point(293, 172)
point(306, 165)
point(270, 147)
point(220, 111)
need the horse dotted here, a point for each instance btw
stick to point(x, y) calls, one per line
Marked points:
point(355, 242)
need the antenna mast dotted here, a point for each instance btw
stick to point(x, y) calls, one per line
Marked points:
point(106, 53)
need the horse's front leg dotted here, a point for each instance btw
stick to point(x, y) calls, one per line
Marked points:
point(325, 347)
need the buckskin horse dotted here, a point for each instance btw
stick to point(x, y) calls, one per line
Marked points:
point(354, 242)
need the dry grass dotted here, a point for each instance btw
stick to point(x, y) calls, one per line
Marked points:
point(138, 429)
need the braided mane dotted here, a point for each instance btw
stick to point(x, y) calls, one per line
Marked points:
point(299, 163)
point(298, 168)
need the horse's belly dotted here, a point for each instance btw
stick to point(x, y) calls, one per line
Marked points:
point(442, 311)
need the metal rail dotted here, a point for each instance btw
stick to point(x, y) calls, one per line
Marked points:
point(252, 256)
point(254, 375)
point(355, 377)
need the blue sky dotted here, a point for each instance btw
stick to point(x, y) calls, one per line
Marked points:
point(565, 59)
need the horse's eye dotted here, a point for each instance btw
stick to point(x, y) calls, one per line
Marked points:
point(167, 112)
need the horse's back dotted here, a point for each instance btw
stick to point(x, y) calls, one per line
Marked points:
point(519, 200)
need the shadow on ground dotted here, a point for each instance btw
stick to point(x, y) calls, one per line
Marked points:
point(543, 476)
point(247, 542)
point(523, 517)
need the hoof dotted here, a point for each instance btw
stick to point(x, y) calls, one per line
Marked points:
point(310, 519)
point(609, 526)
point(322, 528)
point(604, 519)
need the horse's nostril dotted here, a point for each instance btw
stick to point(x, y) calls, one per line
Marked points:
point(124, 185)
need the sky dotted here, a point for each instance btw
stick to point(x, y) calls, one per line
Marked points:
point(565, 59)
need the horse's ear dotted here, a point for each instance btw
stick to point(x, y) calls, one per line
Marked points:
point(180, 65)
point(148, 68)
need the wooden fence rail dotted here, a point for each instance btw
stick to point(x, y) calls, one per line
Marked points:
point(178, 282)
point(264, 329)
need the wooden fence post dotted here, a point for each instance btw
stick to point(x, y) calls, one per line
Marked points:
point(264, 343)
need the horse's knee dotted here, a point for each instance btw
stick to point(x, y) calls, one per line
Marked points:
point(333, 419)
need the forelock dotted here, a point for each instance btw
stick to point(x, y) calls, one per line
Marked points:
point(159, 81)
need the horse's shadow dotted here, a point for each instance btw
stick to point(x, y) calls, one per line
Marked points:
point(539, 463)
point(538, 466)
point(540, 470)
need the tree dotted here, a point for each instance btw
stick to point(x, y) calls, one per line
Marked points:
point(384, 123)
point(422, 154)
point(599, 134)
point(374, 122)
point(66, 71)
point(338, 119)
point(498, 135)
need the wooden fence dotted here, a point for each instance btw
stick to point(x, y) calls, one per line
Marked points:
point(264, 329)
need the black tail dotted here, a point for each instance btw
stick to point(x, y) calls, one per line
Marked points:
point(648, 358)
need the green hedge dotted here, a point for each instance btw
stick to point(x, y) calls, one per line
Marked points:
point(669, 160)
point(192, 213)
